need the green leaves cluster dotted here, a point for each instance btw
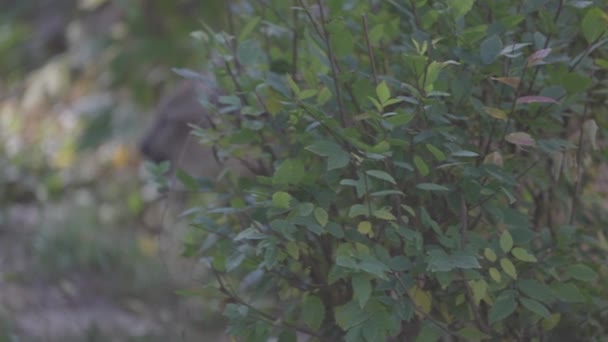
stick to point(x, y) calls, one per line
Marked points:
point(406, 192)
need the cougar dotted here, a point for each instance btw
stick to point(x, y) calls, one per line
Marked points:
point(169, 139)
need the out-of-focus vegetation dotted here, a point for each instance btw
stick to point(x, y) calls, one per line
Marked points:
point(83, 248)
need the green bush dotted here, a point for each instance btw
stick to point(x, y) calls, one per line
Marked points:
point(421, 170)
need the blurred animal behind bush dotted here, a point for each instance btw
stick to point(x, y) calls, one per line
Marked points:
point(168, 138)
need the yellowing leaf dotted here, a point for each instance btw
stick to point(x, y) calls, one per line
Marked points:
point(479, 289)
point(273, 105)
point(422, 299)
point(550, 323)
point(122, 156)
point(508, 267)
point(494, 158)
point(293, 250)
point(496, 113)
point(365, 228)
point(510, 81)
point(148, 245)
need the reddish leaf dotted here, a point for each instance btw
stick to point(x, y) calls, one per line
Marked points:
point(536, 99)
point(520, 138)
point(538, 56)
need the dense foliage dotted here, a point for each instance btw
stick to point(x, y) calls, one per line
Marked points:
point(420, 169)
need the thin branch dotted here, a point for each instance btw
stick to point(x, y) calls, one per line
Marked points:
point(370, 52)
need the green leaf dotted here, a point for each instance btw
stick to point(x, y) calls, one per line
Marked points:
point(523, 255)
point(400, 119)
point(358, 210)
point(432, 73)
point(421, 166)
point(504, 306)
point(313, 311)
point(439, 155)
point(461, 7)
point(495, 274)
point(429, 333)
point(336, 157)
point(465, 153)
point(432, 187)
point(506, 241)
point(384, 214)
point(293, 250)
point(581, 272)
point(281, 199)
point(508, 267)
point(350, 315)
point(472, 334)
point(568, 292)
point(594, 24)
point(188, 181)
point(342, 40)
point(489, 254)
point(362, 289)
point(374, 267)
point(383, 92)
point(321, 216)
point(305, 209)
point(381, 175)
point(250, 53)
point(441, 262)
point(535, 307)
point(249, 27)
point(536, 290)
point(490, 49)
point(291, 171)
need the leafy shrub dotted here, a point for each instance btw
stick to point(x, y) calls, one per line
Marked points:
point(423, 164)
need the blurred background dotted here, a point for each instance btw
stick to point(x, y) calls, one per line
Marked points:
point(85, 253)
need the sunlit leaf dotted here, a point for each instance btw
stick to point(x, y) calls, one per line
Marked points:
point(520, 138)
point(489, 254)
point(506, 241)
point(508, 267)
point(523, 255)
